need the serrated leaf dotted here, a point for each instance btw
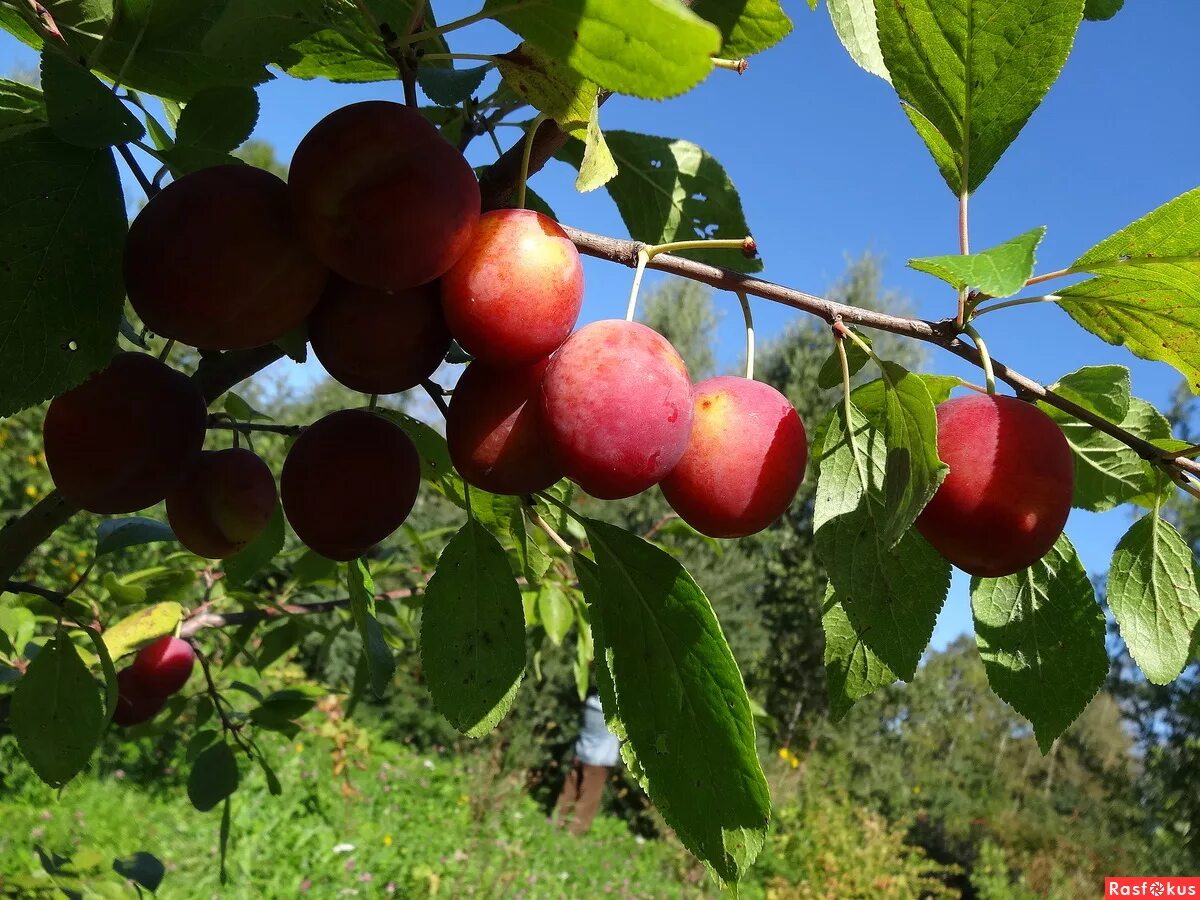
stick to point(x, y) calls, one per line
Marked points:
point(251, 559)
point(855, 24)
point(218, 119)
point(214, 776)
point(852, 670)
point(891, 596)
point(1041, 636)
point(1107, 472)
point(1000, 271)
point(830, 375)
point(672, 190)
point(1147, 295)
point(555, 612)
point(142, 627)
point(56, 713)
point(597, 168)
point(12, 21)
point(62, 224)
point(22, 108)
point(532, 561)
point(132, 531)
point(473, 632)
point(381, 662)
point(913, 470)
point(1153, 596)
point(647, 48)
point(971, 72)
point(747, 26)
point(550, 86)
point(1099, 10)
point(693, 733)
point(80, 109)
point(449, 87)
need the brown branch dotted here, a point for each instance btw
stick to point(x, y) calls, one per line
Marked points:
point(24, 587)
point(942, 333)
point(202, 618)
point(222, 421)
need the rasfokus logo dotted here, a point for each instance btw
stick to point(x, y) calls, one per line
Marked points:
point(1150, 886)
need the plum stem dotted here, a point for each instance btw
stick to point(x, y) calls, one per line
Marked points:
point(749, 317)
point(536, 518)
point(734, 65)
point(482, 57)
point(443, 29)
point(985, 358)
point(166, 350)
point(526, 153)
point(746, 245)
point(642, 260)
point(964, 245)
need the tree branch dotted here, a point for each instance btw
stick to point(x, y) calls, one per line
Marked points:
point(203, 619)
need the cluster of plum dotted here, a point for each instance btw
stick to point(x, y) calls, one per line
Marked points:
point(159, 670)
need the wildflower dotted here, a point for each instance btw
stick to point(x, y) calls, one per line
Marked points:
point(343, 848)
point(31, 492)
point(387, 840)
point(299, 748)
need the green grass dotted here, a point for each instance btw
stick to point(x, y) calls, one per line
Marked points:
point(418, 825)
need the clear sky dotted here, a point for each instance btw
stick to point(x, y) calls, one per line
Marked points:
point(828, 166)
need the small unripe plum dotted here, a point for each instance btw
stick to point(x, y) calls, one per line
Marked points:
point(136, 703)
point(215, 261)
point(381, 197)
point(379, 342)
point(224, 503)
point(124, 438)
point(744, 461)
point(495, 431)
point(164, 666)
point(515, 293)
point(348, 482)
point(1007, 496)
point(617, 402)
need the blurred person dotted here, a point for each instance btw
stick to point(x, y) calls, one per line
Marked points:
point(596, 751)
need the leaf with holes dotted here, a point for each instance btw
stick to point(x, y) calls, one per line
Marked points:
point(970, 73)
point(473, 632)
point(646, 48)
point(1147, 295)
point(672, 190)
point(693, 733)
point(550, 86)
point(1041, 636)
point(62, 224)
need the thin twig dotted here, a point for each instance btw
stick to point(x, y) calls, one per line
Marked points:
point(437, 394)
point(536, 519)
point(221, 421)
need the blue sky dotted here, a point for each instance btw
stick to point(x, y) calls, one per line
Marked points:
point(827, 165)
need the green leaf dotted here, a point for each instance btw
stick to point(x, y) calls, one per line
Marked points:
point(747, 26)
point(17, 625)
point(693, 732)
point(213, 778)
point(971, 72)
point(142, 627)
point(1153, 596)
point(913, 470)
point(142, 868)
point(1041, 635)
point(855, 24)
point(111, 689)
point(555, 612)
point(646, 48)
point(15, 24)
point(57, 714)
point(852, 670)
point(830, 375)
point(1147, 295)
point(62, 224)
point(449, 87)
point(113, 535)
point(154, 47)
point(251, 559)
point(82, 110)
point(312, 567)
point(294, 344)
point(1000, 271)
point(891, 596)
point(1107, 472)
point(597, 168)
point(22, 108)
point(532, 559)
point(237, 407)
point(218, 119)
point(1099, 10)
point(381, 662)
point(550, 86)
point(672, 190)
point(473, 632)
